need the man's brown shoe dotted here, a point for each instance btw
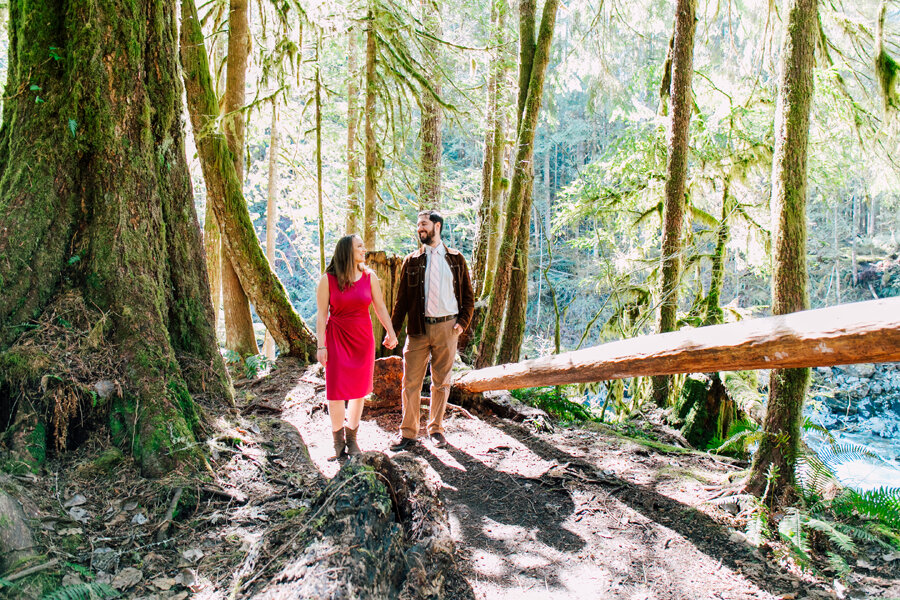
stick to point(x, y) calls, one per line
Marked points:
point(404, 443)
point(438, 440)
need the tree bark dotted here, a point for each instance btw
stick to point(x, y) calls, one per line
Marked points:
point(838, 335)
point(239, 334)
point(353, 213)
point(676, 174)
point(519, 204)
point(494, 142)
point(787, 388)
point(717, 276)
point(257, 279)
point(369, 215)
point(432, 112)
point(319, 182)
point(98, 220)
point(272, 212)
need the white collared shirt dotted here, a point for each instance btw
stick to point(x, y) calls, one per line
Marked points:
point(447, 304)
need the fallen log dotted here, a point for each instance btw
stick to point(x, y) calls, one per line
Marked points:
point(851, 333)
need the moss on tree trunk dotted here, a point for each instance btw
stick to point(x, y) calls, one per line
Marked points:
point(97, 211)
point(676, 174)
point(264, 289)
point(519, 205)
point(787, 387)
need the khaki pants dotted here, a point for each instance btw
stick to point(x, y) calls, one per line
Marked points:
point(438, 343)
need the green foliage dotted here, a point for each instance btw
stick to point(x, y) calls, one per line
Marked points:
point(741, 435)
point(82, 591)
point(552, 401)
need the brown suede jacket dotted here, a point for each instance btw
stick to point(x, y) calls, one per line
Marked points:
point(411, 292)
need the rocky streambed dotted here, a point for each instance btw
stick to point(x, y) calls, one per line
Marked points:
point(860, 404)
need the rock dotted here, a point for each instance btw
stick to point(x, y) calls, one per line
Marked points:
point(387, 382)
point(104, 388)
point(76, 500)
point(104, 559)
point(192, 555)
point(16, 542)
point(126, 578)
point(862, 370)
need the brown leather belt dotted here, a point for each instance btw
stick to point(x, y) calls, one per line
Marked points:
point(433, 320)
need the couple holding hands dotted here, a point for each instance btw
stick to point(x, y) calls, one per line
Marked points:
point(434, 292)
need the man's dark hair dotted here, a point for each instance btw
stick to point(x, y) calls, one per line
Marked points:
point(433, 216)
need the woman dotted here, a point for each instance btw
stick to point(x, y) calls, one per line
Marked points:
point(346, 345)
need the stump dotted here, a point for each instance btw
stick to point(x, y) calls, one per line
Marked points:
point(388, 270)
point(387, 383)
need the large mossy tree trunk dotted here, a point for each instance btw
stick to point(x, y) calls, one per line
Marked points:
point(519, 205)
point(97, 212)
point(264, 289)
point(676, 174)
point(787, 387)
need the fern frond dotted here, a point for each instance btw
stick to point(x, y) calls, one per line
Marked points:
point(838, 564)
point(741, 440)
point(82, 591)
point(834, 535)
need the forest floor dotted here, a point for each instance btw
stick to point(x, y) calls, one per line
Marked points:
point(573, 513)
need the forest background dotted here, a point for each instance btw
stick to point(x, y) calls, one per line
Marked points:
point(599, 152)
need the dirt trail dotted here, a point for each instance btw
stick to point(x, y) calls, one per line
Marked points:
point(576, 514)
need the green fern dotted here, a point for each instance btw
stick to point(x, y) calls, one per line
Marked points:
point(791, 530)
point(881, 505)
point(82, 591)
point(741, 436)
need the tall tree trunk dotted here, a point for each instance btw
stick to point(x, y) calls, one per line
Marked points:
point(492, 165)
point(97, 223)
point(369, 214)
point(212, 236)
point(353, 213)
point(787, 387)
point(318, 100)
point(853, 230)
point(519, 205)
point(257, 279)
point(676, 174)
point(432, 112)
point(499, 184)
point(272, 212)
point(239, 334)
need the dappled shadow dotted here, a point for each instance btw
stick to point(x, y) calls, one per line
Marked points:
point(704, 533)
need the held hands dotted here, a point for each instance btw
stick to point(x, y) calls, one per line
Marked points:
point(322, 356)
point(390, 341)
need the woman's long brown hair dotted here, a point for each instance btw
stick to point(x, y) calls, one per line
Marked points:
point(342, 264)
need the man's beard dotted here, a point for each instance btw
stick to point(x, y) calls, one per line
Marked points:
point(426, 238)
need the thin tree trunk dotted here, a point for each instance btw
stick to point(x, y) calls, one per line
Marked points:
point(853, 231)
point(369, 216)
point(98, 226)
point(489, 164)
point(519, 205)
point(676, 174)
point(239, 334)
point(717, 275)
point(319, 182)
point(837, 259)
point(353, 213)
point(787, 387)
point(432, 113)
point(257, 279)
point(212, 236)
point(272, 213)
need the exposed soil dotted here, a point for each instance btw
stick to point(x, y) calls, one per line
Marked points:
point(574, 513)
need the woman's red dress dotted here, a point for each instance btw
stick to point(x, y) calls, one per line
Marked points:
point(349, 340)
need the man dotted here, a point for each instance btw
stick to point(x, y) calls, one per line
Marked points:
point(435, 293)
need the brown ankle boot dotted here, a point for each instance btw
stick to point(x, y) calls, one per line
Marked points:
point(352, 448)
point(340, 445)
